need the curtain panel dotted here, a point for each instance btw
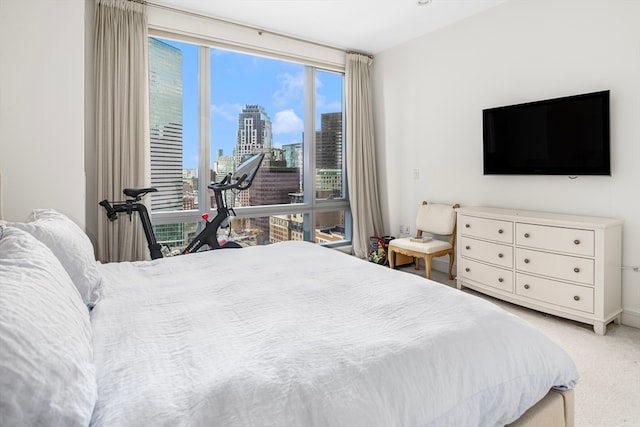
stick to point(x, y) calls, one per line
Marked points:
point(122, 120)
point(361, 159)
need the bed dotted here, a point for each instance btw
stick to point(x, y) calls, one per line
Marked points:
point(289, 334)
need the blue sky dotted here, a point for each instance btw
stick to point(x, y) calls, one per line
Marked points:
point(239, 79)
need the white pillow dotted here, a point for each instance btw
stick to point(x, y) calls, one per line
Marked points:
point(47, 376)
point(72, 247)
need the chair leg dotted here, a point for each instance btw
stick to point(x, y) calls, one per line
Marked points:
point(451, 257)
point(416, 263)
point(427, 266)
point(392, 258)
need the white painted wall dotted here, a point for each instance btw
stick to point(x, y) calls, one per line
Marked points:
point(42, 106)
point(429, 95)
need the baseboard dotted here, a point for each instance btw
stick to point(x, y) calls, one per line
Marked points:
point(630, 318)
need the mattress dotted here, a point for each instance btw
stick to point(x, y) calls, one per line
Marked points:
point(294, 334)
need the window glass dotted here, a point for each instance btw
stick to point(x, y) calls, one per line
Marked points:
point(173, 120)
point(329, 175)
point(175, 237)
point(231, 105)
point(331, 227)
point(257, 107)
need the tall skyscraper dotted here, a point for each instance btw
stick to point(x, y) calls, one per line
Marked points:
point(254, 136)
point(254, 132)
point(165, 120)
point(329, 143)
point(165, 129)
point(329, 156)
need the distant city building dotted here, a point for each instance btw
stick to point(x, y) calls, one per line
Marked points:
point(224, 166)
point(165, 120)
point(326, 235)
point(275, 180)
point(273, 184)
point(328, 183)
point(254, 132)
point(294, 155)
point(329, 143)
point(165, 129)
point(283, 228)
point(329, 156)
point(254, 136)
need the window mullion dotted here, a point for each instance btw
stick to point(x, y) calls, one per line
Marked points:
point(204, 132)
point(309, 144)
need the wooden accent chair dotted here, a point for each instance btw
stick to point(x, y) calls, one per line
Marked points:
point(437, 220)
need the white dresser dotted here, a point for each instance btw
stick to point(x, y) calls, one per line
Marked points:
point(565, 265)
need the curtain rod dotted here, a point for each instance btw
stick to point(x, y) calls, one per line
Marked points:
point(248, 27)
point(368, 55)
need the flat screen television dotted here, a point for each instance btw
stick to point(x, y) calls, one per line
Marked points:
point(561, 136)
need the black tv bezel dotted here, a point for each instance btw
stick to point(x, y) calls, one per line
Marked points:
point(604, 169)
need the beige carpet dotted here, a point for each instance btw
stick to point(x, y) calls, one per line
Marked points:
point(608, 393)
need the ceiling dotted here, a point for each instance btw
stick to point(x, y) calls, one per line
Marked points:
point(369, 26)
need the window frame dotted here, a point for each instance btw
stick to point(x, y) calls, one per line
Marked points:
point(311, 204)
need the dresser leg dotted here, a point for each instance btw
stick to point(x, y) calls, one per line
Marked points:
point(600, 328)
point(618, 319)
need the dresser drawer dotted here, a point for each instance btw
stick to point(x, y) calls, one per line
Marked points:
point(563, 267)
point(481, 250)
point(559, 239)
point(566, 295)
point(485, 228)
point(486, 274)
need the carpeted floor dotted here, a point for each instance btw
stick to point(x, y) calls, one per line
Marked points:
point(608, 394)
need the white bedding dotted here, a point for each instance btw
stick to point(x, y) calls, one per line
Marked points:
point(293, 334)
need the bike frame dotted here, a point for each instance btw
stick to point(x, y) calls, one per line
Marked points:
point(240, 180)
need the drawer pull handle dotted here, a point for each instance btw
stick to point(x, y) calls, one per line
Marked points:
point(577, 298)
point(527, 286)
point(526, 260)
point(467, 269)
point(576, 270)
point(500, 231)
point(500, 279)
point(500, 255)
point(467, 226)
point(526, 235)
point(467, 247)
point(577, 242)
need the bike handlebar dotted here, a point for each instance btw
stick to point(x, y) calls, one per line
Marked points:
point(111, 213)
point(225, 185)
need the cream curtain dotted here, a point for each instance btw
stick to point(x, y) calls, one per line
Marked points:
point(361, 159)
point(121, 122)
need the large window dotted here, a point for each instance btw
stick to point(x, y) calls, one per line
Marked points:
point(210, 108)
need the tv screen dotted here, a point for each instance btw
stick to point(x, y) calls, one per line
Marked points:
point(561, 136)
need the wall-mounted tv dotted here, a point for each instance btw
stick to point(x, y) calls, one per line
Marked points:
point(561, 136)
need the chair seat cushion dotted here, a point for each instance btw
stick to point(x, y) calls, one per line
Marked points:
point(429, 247)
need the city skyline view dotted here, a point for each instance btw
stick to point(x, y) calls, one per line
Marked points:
point(239, 80)
point(256, 106)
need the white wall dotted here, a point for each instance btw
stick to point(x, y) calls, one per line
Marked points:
point(42, 106)
point(429, 95)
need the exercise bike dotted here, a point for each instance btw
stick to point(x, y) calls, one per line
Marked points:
point(207, 239)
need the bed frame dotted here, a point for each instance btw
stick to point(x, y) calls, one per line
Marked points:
point(556, 409)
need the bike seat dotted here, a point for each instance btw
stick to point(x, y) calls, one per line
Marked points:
point(137, 193)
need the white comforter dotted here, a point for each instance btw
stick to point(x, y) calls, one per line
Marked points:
point(293, 334)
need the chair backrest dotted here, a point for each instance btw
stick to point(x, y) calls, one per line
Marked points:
point(437, 218)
